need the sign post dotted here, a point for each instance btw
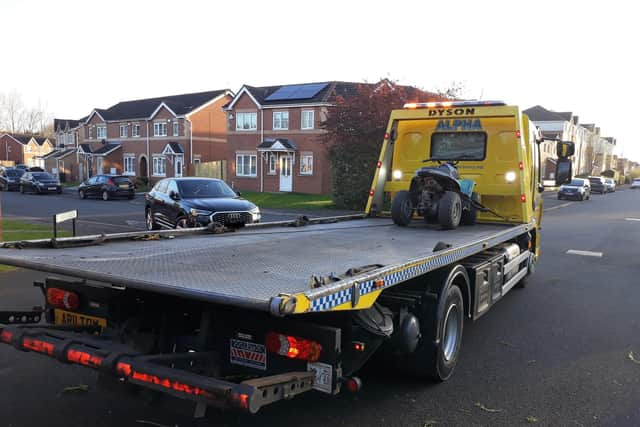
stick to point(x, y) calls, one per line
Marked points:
point(62, 217)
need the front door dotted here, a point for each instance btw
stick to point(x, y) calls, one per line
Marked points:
point(178, 166)
point(286, 180)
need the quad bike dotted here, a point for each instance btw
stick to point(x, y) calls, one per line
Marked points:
point(440, 196)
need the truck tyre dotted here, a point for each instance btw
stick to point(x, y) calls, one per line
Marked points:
point(470, 215)
point(436, 358)
point(402, 208)
point(449, 210)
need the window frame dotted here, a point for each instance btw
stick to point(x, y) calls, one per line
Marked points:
point(240, 172)
point(281, 117)
point(134, 127)
point(252, 126)
point(313, 118)
point(98, 128)
point(272, 168)
point(303, 156)
point(126, 131)
point(436, 134)
point(132, 162)
point(157, 127)
point(176, 128)
point(155, 163)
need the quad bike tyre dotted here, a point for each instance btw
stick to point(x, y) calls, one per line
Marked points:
point(402, 208)
point(449, 210)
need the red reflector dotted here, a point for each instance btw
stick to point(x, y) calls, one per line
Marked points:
point(354, 384)
point(38, 345)
point(521, 165)
point(82, 358)
point(386, 135)
point(293, 347)
point(60, 298)
point(241, 398)
point(6, 336)
point(167, 383)
point(523, 198)
point(371, 192)
point(358, 346)
point(379, 164)
point(518, 133)
point(123, 369)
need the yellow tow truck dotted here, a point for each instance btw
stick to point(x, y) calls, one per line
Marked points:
point(263, 314)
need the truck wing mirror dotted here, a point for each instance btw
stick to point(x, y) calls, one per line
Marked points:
point(563, 171)
point(565, 149)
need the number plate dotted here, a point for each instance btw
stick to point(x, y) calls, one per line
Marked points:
point(324, 375)
point(51, 188)
point(63, 317)
point(123, 185)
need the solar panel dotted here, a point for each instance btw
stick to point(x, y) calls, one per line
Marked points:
point(306, 91)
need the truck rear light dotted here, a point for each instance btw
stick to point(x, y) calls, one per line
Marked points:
point(59, 298)
point(518, 133)
point(38, 346)
point(82, 358)
point(293, 347)
point(6, 337)
point(372, 192)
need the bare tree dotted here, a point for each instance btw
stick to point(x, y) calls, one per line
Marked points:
point(16, 117)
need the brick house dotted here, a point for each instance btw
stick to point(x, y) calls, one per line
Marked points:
point(150, 138)
point(24, 149)
point(276, 143)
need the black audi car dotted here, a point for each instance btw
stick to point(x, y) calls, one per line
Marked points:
point(39, 182)
point(10, 178)
point(195, 202)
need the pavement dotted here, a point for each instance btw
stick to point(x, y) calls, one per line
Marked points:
point(561, 352)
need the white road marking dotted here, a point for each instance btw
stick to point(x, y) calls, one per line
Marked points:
point(564, 205)
point(632, 219)
point(584, 253)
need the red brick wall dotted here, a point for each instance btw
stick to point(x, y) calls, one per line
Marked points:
point(10, 150)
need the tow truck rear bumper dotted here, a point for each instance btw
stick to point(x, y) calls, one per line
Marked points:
point(75, 346)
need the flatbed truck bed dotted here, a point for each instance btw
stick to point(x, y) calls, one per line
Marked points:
point(253, 268)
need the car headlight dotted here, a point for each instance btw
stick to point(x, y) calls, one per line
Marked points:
point(199, 212)
point(255, 214)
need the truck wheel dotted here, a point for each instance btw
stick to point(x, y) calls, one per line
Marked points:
point(449, 210)
point(402, 208)
point(436, 358)
point(470, 215)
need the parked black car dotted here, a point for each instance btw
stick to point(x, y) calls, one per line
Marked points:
point(10, 179)
point(194, 202)
point(578, 189)
point(23, 167)
point(107, 187)
point(39, 182)
point(598, 184)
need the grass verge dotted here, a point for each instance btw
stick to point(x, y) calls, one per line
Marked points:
point(20, 230)
point(289, 200)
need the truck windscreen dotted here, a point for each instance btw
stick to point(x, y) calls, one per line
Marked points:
point(458, 146)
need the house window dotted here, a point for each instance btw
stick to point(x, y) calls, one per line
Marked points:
point(90, 132)
point(123, 131)
point(160, 129)
point(196, 161)
point(71, 138)
point(159, 165)
point(135, 130)
point(280, 120)
point(272, 164)
point(307, 120)
point(246, 165)
point(246, 121)
point(101, 132)
point(129, 165)
point(176, 128)
point(306, 164)
point(99, 161)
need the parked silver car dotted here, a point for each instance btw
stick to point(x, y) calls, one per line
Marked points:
point(635, 183)
point(610, 185)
